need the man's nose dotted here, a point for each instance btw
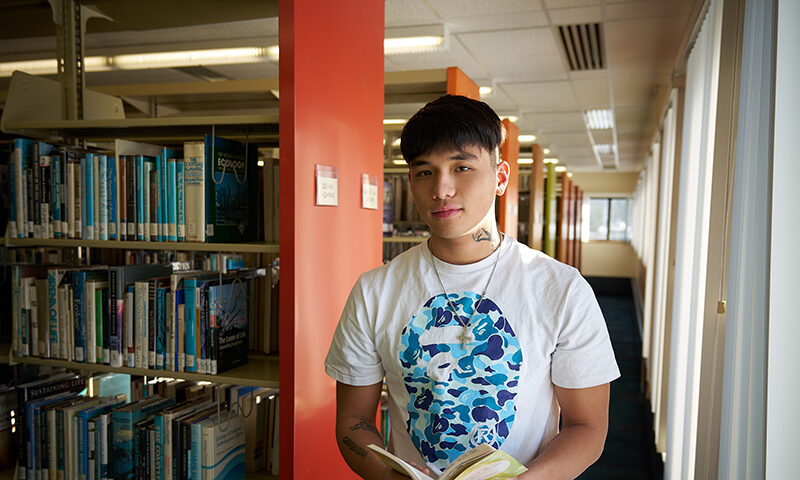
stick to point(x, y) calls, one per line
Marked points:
point(444, 187)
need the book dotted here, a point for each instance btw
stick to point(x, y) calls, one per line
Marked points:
point(87, 205)
point(228, 315)
point(194, 190)
point(223, 452)
point(180, 205)
point(231, 191)
point(113, 199)
point(102, 190)
point(172, 201)
point(482, 462)
point(123, 421)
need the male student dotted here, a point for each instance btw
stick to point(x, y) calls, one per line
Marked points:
point(480, 339)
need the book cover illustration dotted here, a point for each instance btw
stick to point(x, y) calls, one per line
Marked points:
point(228, 305)
point(231, 190)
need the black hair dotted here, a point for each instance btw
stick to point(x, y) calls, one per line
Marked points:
point(451, 122)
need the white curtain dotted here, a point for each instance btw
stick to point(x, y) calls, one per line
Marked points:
point(743, 416)
point(692, 246)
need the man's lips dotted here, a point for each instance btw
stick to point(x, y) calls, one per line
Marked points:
point(446, 212)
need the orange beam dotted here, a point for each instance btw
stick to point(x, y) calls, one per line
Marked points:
point(562, 235)
point(536, 216)
point(509, 202)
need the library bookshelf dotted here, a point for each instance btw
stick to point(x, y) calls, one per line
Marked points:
point(253, 247)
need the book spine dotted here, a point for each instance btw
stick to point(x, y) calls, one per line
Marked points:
point(146, 187)
point(140, 202)
point(88, 189)
point(55, 200)
point(45, 214)
point(161, 330)
point(101, 206)
point(190, 342)
point(202, 332)
point(80, 198)
point(152, 327)
point(196, 455)
point(155, 214)
point(159, 444)
point(63, 194)
point(52, 446)
point(15, 170)
point(29, 195)
point(115, 307)
point(169, 318)
point(105, 443)
point(172, 205)
point(52, 312)
point(180, 320)
point(79, 305)
point(129, 320)
point(194, 176)
point(106, 312)
point(122, 197)
point(156, 200)
point(163, 203)
point(91, 322)
point(35, 192)
point(111, 180)
point(63, 313)
point(70, 198)
point(122, 446)
point(33, 308)
point(12, 194)
point(179, 200)
point(141, 324)
point(132, 195)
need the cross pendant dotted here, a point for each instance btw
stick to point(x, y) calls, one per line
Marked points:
point(464, 337)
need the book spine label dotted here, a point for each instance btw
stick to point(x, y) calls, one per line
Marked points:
point(111, 180)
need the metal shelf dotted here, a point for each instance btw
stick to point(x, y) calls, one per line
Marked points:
point(260, 370)
point(135, 245)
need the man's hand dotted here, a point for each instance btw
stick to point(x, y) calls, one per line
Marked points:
point(582, 436)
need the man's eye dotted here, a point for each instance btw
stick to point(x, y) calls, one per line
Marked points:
point(463, 168)
point(422, 173)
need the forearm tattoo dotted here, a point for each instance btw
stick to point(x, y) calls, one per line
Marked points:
point(354, 447)
point(364, 425)
point(483, 236)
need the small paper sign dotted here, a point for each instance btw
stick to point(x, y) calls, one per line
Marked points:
point(369, 191)
point(327, 186)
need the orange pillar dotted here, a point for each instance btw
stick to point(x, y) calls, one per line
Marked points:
point(331, 113)
point(509, 202)
point(562, 236)
point(536, 216)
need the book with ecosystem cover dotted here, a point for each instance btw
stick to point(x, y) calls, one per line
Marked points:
point(480, 463)
point(231, 191)
point(228, 314)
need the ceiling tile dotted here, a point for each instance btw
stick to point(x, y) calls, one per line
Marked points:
point(568, 140)
point(543, 96)
point(476, 8)
point(408, 12)
point(502, 21)
point(570, 16)
point(550, 4)
point(499, 101)
point(592, 93)
point(629, 91)
point(556, 122)
point(643, 42)
point(516, 54)
point(650, 8)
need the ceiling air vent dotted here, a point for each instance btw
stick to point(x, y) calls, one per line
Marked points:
point(583, 45)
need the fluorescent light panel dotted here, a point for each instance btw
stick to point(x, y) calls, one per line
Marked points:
point(524, 161)
point(600, 119)
point(561, 168)
point(604, 149)
point(484, 91)
point(418, 39)
point(393, 121)
point(399, 161)
point(526, 138)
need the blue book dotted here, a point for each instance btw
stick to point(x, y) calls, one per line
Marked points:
point(101, 229)
point(196, 449)
point(190, 342)
point(111, 176)
point(159, 198)
point(161, 323)
point(139, 197)
point(164, 193)
point(228, 312)
point(149, 232)
point(80, 315)
point(123, 420)
point(55, 196)
point(32, 408)
point(180, 200)
point(180, 353)
point(171, 192)
point(84, 416)
point(87, 172)
point(23, 156)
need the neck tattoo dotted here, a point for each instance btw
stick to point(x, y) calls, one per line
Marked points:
point(465, 334)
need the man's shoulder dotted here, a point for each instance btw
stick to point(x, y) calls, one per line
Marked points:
point(540, 264)
point(397, 268)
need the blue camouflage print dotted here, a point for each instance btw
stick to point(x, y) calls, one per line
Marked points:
point(459, 397)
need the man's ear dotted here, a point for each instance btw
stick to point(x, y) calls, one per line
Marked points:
point(503, 173)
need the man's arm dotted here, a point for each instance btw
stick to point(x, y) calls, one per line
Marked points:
point(356, 408)
point(581, 439)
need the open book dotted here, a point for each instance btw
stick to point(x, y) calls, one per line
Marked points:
point(481, 463)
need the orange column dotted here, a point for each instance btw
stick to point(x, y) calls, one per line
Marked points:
point(331, 112)
point(562, 236)
point(536, 217)
point(509, 202)
point(458, 83)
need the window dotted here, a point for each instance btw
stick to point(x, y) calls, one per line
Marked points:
point(610, 219)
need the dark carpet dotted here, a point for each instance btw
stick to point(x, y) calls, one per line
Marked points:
point(629, 452)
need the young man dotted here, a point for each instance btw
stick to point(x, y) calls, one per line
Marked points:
point(480, 338)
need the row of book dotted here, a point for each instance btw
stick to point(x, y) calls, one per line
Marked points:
point(136, 191)
point(197, 431)
point(159, 316)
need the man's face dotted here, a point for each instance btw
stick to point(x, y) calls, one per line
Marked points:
point(454, 190)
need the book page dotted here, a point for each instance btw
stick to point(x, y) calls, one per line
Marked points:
point(496, 466)
point(398, 464)
point(466, 459)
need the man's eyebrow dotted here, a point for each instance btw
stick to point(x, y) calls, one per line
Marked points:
point(462, 155)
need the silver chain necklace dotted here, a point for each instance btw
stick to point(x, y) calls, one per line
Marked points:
point(465, 335)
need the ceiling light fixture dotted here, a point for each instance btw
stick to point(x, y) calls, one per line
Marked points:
point(218, 56)
point(604, 149)
point(396, 142)
point(399, 161)
point(546, 151)
point(510, 118)
point(393, 121)
point(561, 168)
point(600, 119)
point(486, 91)
point(526, 138)
point(551, 160)
point(419, 39)
point(524, 161)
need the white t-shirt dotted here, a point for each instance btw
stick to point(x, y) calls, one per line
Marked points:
point(538, 325)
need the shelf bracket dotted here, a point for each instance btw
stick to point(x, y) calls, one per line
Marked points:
point(67, 16)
